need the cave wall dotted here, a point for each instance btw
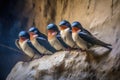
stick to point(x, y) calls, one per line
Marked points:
point(96, 16)
point(101, 17)
point(90, 13)
point(12, 20)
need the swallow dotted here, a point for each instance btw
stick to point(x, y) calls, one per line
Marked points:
point(84, 39)
point(66, 33)
point(36, 31)
point(54, 38)
point(40, 42)
point(24, 44)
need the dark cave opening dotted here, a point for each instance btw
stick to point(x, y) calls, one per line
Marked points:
point(10, 25)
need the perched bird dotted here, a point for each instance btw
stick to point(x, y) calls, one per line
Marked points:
point(36, 31)
point(54, 38)
point(40, 42)
point(84, 39)
point(24, 44)
point(66, 33)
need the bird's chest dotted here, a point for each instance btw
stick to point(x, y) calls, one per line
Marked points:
point(55, 43)
point(27, 49)
point(34, 42)
point(52, 38)
point(38, 46)
point(64, 34)
point(74, 36)
point(79, 41)
point(51, 35)
point(24, 45)
point(67, 38)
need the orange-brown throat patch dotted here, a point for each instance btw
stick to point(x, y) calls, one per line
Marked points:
point(75, 29)
point(51, 34)
point(31, 35)
point(63, 27)
point(22, 39)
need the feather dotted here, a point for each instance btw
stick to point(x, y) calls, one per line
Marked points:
point(92, 40)
point(43, 42)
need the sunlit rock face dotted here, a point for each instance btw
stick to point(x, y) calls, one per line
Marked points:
point(63, 65)
point(68, 65)
point(11, 22)
point(100, 17)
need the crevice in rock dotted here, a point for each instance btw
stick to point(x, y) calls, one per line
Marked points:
point(112, 5)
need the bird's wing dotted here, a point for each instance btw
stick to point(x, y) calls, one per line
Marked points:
point(17, 44)
point(62, 42)
point(86, 31)
point(32, 47)
point(43, 42)
point(42, 35)
point(91, 39)
point(41, 38)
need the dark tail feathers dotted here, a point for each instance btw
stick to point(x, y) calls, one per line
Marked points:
point(109, 46)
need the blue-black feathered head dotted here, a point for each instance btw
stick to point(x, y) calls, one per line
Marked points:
point(52, 26)
point(65, 23)
point(77, 24)
point(34, 29)
point(24, 34)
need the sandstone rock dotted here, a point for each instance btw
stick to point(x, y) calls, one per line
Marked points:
point(65, 65)
point(60, 66)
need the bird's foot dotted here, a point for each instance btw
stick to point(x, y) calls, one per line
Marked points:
point(61, 50)
point(82, 50)
point(75, 49)
point(68, 49)
point(42, 55)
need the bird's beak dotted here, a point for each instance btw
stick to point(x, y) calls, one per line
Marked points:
point(62, 27)
point(32, 35)
point(51, 32)
point(75, 29)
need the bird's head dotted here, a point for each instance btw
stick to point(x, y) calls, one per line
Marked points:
point(33, 31)
point(23, 35)
point(52, 29)
point(76, 26)
point(64, 24)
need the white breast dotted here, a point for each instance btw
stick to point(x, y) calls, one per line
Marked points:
point(39, 47)
point(56, 44)
point(74, 36)
point(28, 50)
point(79, 41)
point(67, 37)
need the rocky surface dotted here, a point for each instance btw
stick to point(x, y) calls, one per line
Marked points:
point(68, 65)
point(101, 17)
point(63, 65)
